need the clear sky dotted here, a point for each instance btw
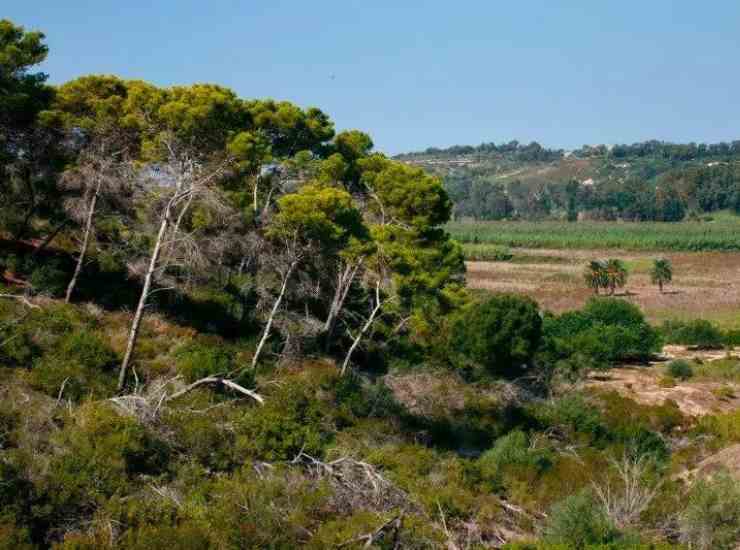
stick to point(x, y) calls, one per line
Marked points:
point(421, 73)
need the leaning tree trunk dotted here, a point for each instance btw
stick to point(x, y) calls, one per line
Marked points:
point(344, 283)
point(49, 238)
point(136, 324)
point(85, 243)
point(273, 312)
point(364, 329)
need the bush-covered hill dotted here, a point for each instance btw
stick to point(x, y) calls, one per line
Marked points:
point(652, 180)
point(224, 325)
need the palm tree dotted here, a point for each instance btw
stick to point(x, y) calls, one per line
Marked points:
point(662, 272)
point(595, 275)
point(616, 275)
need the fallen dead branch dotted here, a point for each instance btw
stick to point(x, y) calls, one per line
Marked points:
point(217, 380)
point(21, 298)
point(393, 526)
point(357, 484)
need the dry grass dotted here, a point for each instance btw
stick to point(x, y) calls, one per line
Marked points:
point(706, 284)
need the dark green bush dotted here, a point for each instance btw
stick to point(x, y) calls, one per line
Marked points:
point(501, 334)
point(697, 332)
point(606, 331)
point(49, 278)
point(680, 369)
point(8, 424)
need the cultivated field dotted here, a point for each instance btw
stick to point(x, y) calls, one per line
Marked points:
point(722, 233)
point(705, 284)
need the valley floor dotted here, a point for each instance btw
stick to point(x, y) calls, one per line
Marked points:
point(706, 284)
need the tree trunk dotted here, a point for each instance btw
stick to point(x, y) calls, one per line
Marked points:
point(273, 312)
point(85, 243)
point(135, 325)
point(49, 238)
point(176, 230)
point(660, 286)
point(365, 328)
point(344, 283)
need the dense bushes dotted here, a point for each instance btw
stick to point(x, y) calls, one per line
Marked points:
point(698, 332)
point(501, 334)
point(605, 331)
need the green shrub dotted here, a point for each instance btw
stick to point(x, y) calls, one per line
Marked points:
point(100, 453)
point(501, 334)
point(14, 537)
point(81, 361)
point(293, 419)
point(512, 450)
point(606, 331)
point(8, 424)
point(711, 518)
point(579, 521)
point(199, 359)
point(698, 332)
point(574, 415)
point(204, 438)
point(49, 278)
point(680, 369)
point(16, 494)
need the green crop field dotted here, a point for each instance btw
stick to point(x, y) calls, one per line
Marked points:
point(720, 234)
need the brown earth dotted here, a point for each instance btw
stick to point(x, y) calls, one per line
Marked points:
point(642, 384)
point(706, 285)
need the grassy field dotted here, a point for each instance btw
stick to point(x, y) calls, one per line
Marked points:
point(720, 234)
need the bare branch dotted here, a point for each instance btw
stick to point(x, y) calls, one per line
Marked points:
point(217, 380)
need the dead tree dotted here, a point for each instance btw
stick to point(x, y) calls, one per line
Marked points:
point(190, 178)
point(375, 309)
point(293, 256)
point(344, 278)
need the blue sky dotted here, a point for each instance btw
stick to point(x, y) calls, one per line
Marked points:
point(421, 73)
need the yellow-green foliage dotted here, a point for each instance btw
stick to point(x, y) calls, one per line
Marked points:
point(80, 364)
point(294, 418)
point(200, 429)
point(725, 427)
point(202, 358)
point(99, 453)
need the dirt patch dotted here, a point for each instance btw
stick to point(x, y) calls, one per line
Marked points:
point(726, 460)
point(642, 384)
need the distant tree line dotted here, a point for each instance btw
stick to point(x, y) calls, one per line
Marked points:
point(670, 196)
point(513, 149)
point(533, 151)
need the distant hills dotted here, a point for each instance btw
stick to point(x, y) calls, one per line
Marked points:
point(651, 180)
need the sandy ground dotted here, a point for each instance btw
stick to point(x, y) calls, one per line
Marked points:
point(706, 285)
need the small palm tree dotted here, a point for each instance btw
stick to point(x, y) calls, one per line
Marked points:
point(595, 275)
point(616, 275)
point(662, 272)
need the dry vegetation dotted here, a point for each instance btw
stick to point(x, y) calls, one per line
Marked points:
point(705, 285)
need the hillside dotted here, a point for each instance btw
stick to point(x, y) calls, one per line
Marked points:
point(225, 325)
point(644, 181)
